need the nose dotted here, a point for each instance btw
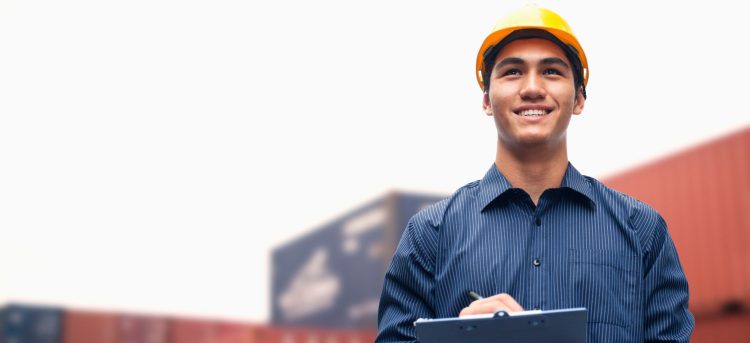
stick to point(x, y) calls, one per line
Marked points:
point(533, 87)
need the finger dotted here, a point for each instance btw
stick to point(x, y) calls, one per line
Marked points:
point(481, 309)
point(485, 306)
point(504, 299)
point(510, 303)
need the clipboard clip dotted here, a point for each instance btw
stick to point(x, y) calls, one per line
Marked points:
point(500, 314)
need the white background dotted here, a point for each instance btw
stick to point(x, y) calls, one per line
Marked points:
point(152, 153)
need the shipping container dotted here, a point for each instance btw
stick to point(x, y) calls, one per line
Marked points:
point(36, 324)
point(273, 334)
point(703, 193)
point(236, 333)
point(30, 324)
point(184, 330)
point(333, 276)
point(134, 328)
point(733, 328)
point(90, 327)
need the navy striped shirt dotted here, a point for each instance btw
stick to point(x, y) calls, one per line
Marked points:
point(582, 245)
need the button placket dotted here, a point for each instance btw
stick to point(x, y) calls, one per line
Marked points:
point(536, 273)
point(538, 255)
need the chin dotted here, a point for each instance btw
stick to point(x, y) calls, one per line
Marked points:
point(540, 139)
point(524, 142)
point(533, 138)
point(533, 142)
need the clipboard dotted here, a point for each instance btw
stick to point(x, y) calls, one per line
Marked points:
point(553, 326)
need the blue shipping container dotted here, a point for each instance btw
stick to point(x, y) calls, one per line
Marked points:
point(333, 276)
point(30, 324)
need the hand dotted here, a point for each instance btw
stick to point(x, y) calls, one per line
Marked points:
point(498, 302)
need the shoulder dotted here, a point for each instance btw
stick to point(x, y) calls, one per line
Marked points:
point(636, 209)
point(434, 215)
point(639, 216)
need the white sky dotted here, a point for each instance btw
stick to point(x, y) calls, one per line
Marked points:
point(153, 152)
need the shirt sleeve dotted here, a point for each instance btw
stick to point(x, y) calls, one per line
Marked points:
point(667, 318)
point(407, 288)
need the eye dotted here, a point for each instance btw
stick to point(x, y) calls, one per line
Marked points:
point(510, 72)
point(552, 71)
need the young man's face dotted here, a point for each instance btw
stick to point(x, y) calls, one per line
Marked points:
point(532, 94)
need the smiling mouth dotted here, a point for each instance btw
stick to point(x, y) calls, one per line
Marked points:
point(532, 113)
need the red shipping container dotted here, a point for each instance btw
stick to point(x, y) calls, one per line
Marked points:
point(237, 333)
point(365, 336)
point(311, 335)
point(142, 329)
point(704, 195)
point(208, 331)
point(90, 327)
point(722, 329)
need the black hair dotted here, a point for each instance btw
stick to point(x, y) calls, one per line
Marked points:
point(570, 52)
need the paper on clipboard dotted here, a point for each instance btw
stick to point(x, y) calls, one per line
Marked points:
point(554, 326)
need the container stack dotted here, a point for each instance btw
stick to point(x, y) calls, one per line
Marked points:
point(326, 288)
point(37, 324)
point(326, 285)
point(704, 195)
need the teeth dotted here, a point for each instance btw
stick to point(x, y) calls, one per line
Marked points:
point(528, 113)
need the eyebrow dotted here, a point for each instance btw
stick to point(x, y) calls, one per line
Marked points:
point(516, 60)
point(555, 60)
point(509, 60)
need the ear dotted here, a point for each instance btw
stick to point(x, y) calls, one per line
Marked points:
point(486, 105)
point(580, 101)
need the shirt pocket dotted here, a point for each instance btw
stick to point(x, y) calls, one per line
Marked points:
point(605, 283)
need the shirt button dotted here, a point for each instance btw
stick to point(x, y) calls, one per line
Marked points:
point(537, 262)
point(538, 221)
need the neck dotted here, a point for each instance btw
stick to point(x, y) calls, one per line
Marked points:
point(533, 169)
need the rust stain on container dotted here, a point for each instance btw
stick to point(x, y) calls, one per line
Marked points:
point(704, 195)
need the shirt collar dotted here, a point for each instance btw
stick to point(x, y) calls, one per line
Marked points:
point(574, 181)
point(494, 185)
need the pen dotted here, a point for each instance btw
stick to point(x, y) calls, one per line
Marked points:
point(475, 296)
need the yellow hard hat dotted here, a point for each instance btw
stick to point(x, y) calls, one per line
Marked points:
point(532, 17)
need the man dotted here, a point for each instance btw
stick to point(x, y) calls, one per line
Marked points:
point(534, 233)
